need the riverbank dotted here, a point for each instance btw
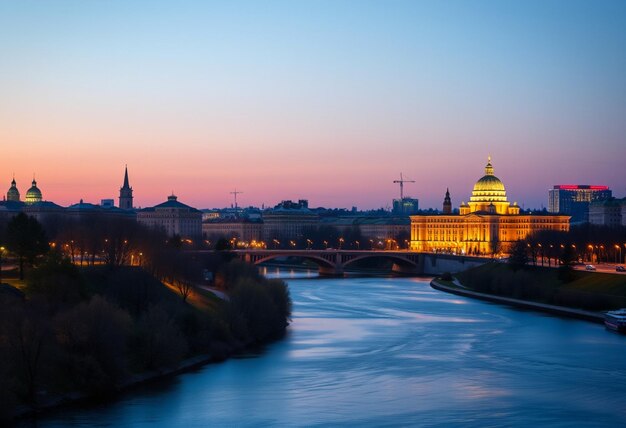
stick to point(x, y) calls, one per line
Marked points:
point(53, 404)
point(151, 331)
point(589, 291)
point(596, 317)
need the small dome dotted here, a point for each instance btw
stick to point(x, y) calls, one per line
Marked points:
point(13, 194)
point(34, 194)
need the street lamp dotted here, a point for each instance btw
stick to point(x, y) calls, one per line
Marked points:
point(358, 245)
point(620, 254)
point(340, 242)
point(1, 252)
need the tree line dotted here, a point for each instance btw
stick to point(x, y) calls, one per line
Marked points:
point(88, 320)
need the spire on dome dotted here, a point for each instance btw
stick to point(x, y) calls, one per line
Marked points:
point(488, 167)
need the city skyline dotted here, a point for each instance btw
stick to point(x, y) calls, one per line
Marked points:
point(320, 101)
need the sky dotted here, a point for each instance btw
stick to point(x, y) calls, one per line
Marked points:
point(321, 100)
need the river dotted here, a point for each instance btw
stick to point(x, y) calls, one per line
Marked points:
point(392, 352)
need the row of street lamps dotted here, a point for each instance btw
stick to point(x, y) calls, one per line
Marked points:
point(388, 244)
point(594, 252)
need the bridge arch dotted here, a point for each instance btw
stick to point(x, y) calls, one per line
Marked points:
point(396, 258)
point(320, 261)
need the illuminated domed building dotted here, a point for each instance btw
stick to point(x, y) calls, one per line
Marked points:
point(488, 224)
point(33, 194)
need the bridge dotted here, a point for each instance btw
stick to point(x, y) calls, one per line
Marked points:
point(336, 262)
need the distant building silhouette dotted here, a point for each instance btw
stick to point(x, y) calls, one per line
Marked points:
point(13, 194)
point(174, 217)
point(608, 212)
point(405, 206)
point(447, 203)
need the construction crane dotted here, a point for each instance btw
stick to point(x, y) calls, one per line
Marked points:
point(235, 192)
point(402, 181)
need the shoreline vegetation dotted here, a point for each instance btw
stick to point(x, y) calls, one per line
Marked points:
point(95, 306)
point(73, 335)
point(563, 292)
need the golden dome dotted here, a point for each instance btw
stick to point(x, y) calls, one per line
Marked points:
point(489, 188)
point(33, 194)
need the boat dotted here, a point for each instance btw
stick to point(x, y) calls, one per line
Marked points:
point(616, 320)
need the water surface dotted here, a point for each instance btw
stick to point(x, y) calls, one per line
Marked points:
point(393, 352)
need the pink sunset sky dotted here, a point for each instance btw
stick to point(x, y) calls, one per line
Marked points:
point(323, 101)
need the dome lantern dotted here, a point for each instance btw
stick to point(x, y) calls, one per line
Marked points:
point(489, 190)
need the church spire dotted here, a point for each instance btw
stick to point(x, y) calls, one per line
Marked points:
point(126, 185)
point(126, 193)
point(447, 203)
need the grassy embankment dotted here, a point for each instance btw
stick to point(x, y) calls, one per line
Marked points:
point(575, 289)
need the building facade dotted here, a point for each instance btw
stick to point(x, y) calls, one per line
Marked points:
point(574, 200)
point(174, 217)
point(288, 220)
point(609, 212)
point(242, 229)
point(488, 224)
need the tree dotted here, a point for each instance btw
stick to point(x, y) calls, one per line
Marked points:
point(567, 258)
point(183, 286)
point(58, 280)
point(519, 255)
point(495, 246)
point(26, 239)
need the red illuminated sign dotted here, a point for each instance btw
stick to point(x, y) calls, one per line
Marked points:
point(580, 187)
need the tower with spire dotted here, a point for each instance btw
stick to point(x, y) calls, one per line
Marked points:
point(447, 203)
point(126, 193)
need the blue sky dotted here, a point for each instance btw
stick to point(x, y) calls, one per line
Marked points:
point(325, 100)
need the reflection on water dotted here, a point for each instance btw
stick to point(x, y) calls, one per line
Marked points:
point(290, 273)
point(394, 352)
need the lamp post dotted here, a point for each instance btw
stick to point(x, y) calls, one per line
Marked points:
point(1, 252)
point(340, 242)
point(600, 254)
point(617, 261)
